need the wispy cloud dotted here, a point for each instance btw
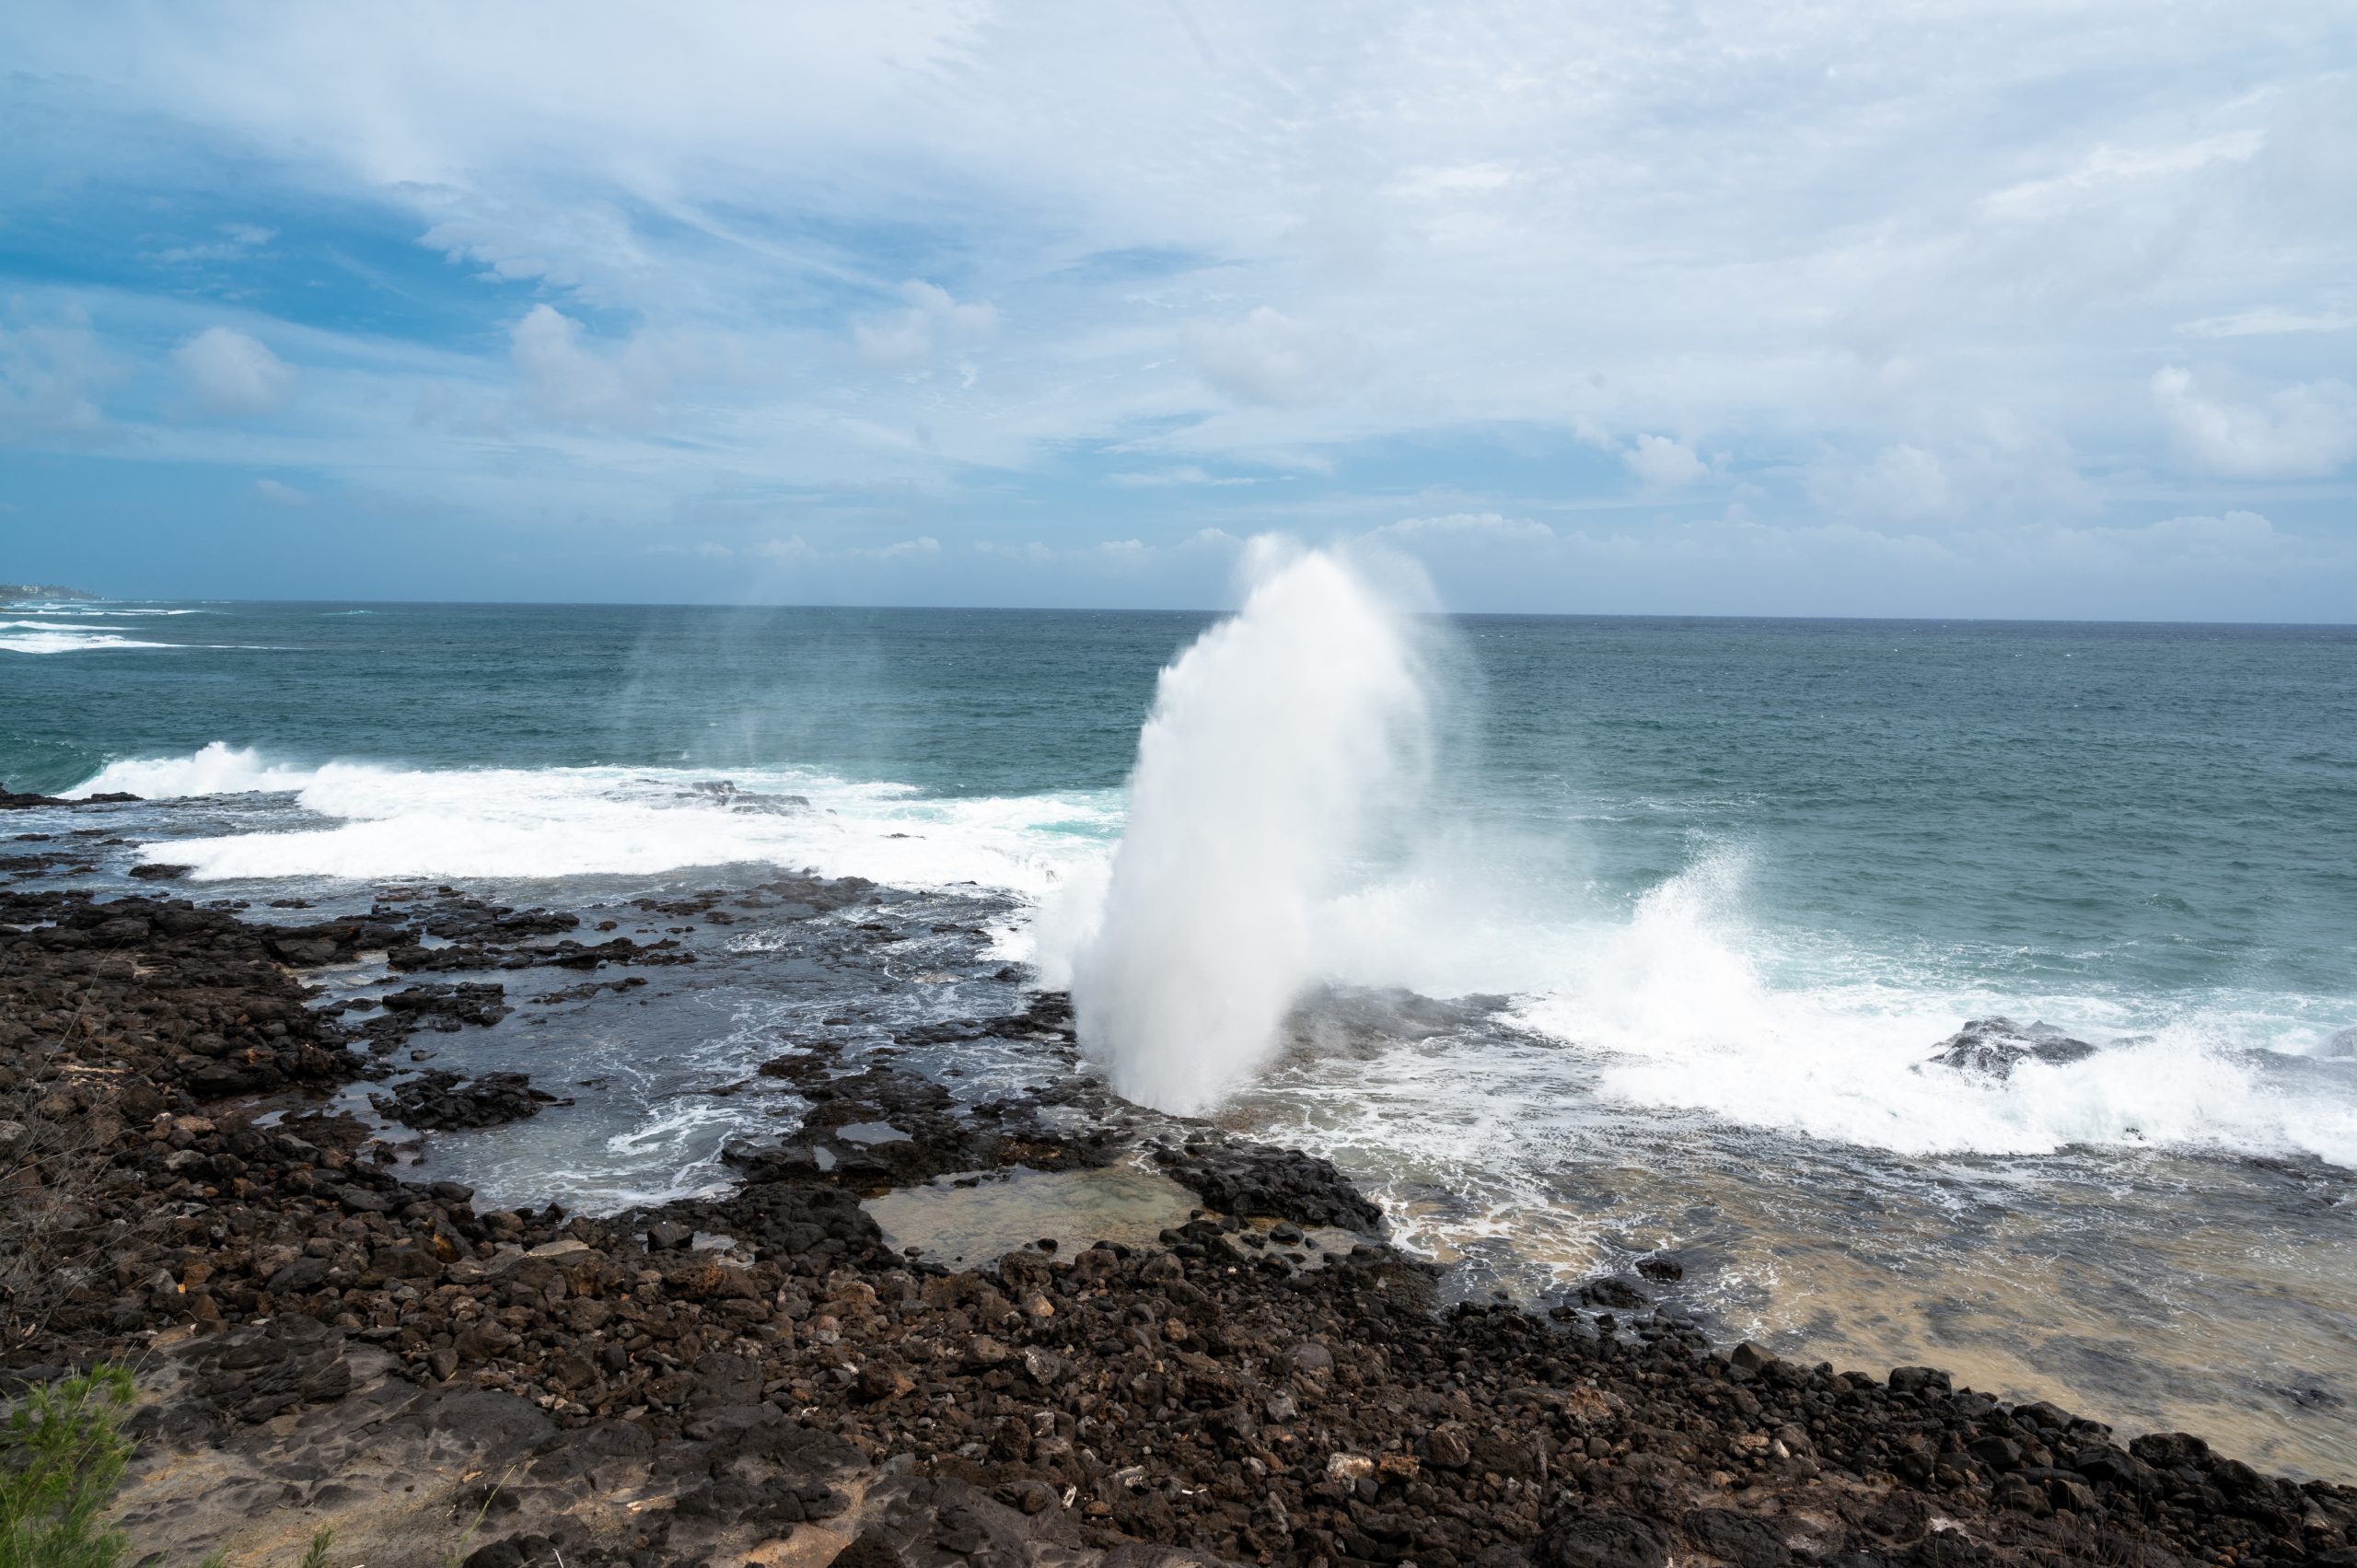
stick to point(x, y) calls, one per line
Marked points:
point(919, 273)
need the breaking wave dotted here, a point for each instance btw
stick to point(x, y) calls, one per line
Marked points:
point(371, 821)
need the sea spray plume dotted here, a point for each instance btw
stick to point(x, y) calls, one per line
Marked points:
point(1277, 744)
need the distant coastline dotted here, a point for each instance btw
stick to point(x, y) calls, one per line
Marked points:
point(18, 593)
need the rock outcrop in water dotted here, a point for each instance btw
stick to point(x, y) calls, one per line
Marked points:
point(755, 1378)
point(13, 800)
point(1995, 1047)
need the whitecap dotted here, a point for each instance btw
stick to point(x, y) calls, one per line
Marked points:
point(527, 823)
point(70, 642)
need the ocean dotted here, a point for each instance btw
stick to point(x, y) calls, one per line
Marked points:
point(1646, 942)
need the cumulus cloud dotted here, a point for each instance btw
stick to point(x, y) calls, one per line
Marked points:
point(1270, 358)
point(51, 373)
point(2306, 431)
point(1661, 464)
point(565, 378)
point(231, 374)
point(2244, 537)
point(1902, 483)
point(923, 546)
point(560, 377)
point(934, 323)
point(1991, 466)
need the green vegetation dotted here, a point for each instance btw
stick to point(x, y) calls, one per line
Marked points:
point(64, 1454)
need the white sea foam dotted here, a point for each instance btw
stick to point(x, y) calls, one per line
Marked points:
point(519, 823)
point(215, 768)
point(1682, 1002)
point(106, 611)
point(30, 638)
point(1682, 999)
point(1277, 744)
point(1679, 1006)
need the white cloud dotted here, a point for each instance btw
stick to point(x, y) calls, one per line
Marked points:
point(1366, 247)
point(232, 373)
point(1989, 468)
point(1176, 474)
point(237, 241)
point(799, 551)
point(2306, 431)
point(1270, 358)
point(2245, 537)
point(564, 377)
point(561, 378)
point(1904, 484)
point(1127, 554)
point(51, 373)
point(2106, 167)
point(1663, 464)
point(934, 323)
point(923, 547)
point(2268, 321)
point(1467, 527)
point(1660, 463)
point(272, 493)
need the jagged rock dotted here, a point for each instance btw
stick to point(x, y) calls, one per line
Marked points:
point(1993, 1047)
point(1605, 1540)
point(1256, 1181)
point(438, 1101)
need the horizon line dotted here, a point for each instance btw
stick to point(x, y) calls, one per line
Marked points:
point(1230, 609)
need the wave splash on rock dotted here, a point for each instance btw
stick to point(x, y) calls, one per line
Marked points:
point(1278, 745)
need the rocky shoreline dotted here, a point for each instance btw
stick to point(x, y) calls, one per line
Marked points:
point(326, 1337)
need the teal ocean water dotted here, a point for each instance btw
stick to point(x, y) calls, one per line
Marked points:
point(1688, 907)
point(2160, 817)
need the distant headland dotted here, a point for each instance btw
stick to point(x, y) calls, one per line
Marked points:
point(14, 593)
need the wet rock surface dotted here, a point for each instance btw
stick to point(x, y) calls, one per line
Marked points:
point(17, 800)
point(1992, 1048)
point(755, 1377)
point(437, 1101)
point(1253, 1181)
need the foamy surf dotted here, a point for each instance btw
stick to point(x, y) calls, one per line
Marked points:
point(1679, 1002)
point(52, 636)
point(216, 768)
point(1678, 1009)
point(525, 824)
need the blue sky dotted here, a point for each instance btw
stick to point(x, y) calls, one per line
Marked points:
point(1986, 309)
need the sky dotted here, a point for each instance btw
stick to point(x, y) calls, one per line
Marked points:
point(1988, 308)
